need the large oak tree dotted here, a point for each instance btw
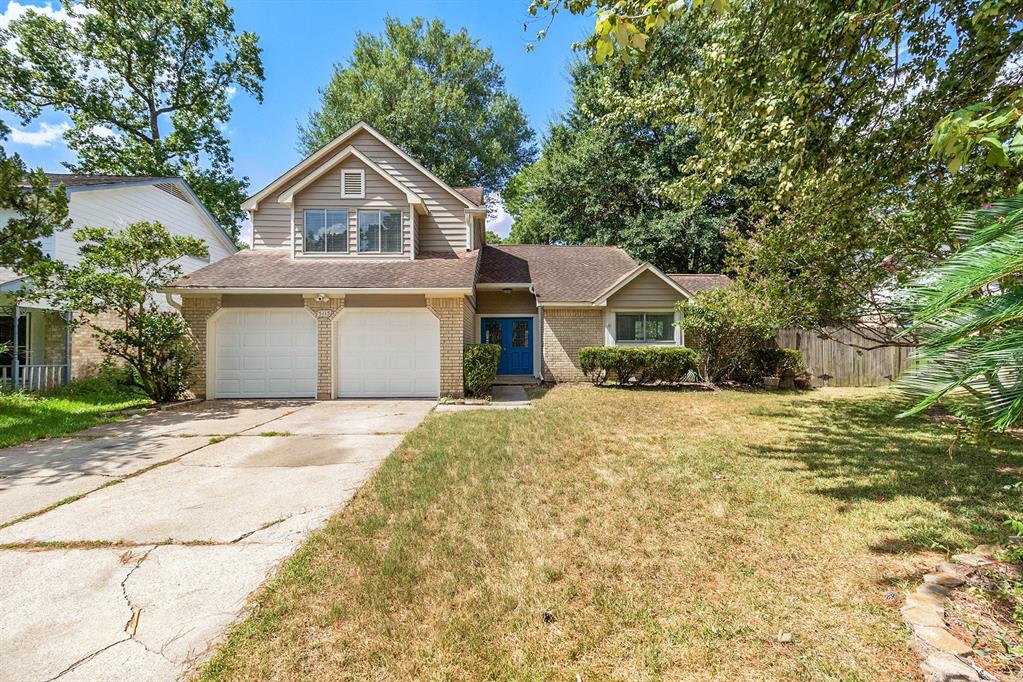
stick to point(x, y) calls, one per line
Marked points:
point(436, 93)
point(147, 86)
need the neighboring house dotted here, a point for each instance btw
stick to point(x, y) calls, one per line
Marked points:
point(368, 274)
point(41, 350)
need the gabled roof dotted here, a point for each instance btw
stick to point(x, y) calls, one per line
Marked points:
point(601, 299)
point(324, 152)
point(696, 283)
point(288, 197)
point(274, 270)
point(8, 276)
point(473, 194)
point(171, 184)
point(560, 274)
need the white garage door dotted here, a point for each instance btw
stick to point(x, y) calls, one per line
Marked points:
point(265, 354)
point(389, 354)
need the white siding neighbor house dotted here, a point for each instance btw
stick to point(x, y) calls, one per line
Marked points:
point(40, 351)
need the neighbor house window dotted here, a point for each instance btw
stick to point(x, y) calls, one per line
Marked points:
point(644, 327)
point(325, 231)
point(380, 231)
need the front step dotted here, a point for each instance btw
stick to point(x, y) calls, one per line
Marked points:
point(516, 380)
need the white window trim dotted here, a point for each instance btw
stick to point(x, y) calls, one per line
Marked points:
point(380, 224)
point(348, 227)
point(362, 183)
point(611, 327)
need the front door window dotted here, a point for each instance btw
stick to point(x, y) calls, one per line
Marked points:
point(492, 332)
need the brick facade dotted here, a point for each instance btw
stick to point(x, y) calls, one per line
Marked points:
point(197, 310)
point(86, 357)
point(452, 313)
point(565, 331)
point(54, 339)
point(325, 312)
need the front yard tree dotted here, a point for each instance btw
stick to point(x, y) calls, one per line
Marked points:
point(147, 86)
point(37, 211)
point(121, 272)
point(435, 93)
point(840, 100)
point(604, 163)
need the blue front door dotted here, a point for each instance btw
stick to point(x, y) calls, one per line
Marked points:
point(515, 337)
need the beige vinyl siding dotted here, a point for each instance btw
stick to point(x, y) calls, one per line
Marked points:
point(444, 228)
point(325, 193)
point(271, 225)
point(385, 301)
point(500, 303)
point(480, 227)
point(648, 291)
point(261, 301)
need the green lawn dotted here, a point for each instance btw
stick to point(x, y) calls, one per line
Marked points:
point(619, 534)
point(27, 416)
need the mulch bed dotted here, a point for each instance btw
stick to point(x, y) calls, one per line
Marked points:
point(987, 613)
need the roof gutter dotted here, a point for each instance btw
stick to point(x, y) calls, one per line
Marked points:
point(435, 291)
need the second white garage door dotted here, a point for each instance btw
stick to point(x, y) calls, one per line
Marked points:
point(265, 354)
point(389, 354)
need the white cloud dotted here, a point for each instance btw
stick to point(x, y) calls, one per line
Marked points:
point(102, 131)
point(44, 137)
point(231, 91)
point(15, 10)
point(501, 222)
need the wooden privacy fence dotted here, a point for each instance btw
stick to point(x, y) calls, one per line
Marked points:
point(836, 363)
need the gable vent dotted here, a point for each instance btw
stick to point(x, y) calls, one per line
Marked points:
point(353, 184)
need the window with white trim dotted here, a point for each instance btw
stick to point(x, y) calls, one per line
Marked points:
point(353, 184)
point(379, 231)
point(325, 231)
point(644, 327)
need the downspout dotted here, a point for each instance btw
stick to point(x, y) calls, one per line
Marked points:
point(539, 335)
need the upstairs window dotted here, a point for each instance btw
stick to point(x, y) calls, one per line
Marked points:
point(379, 231)
point(644, 327)
point(325, 231)
point(353, 184)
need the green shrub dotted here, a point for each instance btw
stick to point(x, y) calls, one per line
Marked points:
point(773, 361)
point(479, 366)
point(733, 332)
point(642, 365)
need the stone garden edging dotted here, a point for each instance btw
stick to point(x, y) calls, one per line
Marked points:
point(946, 657)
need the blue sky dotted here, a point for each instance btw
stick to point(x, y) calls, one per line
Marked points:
point(302, 41)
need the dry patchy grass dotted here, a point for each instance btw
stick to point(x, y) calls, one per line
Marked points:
point(620, 534)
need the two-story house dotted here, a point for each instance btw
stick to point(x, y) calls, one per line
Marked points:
point(368, 274)
point(40, 349)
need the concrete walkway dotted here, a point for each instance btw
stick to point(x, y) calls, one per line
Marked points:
point(501, 398)
point(138, 577)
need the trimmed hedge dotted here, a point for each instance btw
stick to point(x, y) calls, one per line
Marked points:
point(479, 367)
point(641, 365)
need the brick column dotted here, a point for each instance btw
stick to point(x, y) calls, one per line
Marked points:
point(324, 312)
point(197, 310)
point(565, 331)
point(450, 312)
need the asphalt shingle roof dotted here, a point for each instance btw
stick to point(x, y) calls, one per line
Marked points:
point(473, 194)
point(78, 180)
point(558, 273)
point(275, 269)
point(695, 283)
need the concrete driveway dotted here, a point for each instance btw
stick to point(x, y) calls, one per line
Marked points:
point(175, 519)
